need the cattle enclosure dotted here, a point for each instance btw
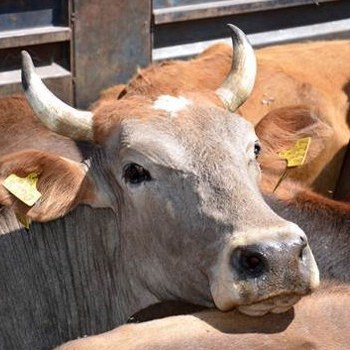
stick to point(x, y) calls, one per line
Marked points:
point(77, 65)
point(80, 48)
point(58, 34)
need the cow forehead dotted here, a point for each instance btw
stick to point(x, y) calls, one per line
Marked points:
point(184, 117)
point(195, 129)
point(171, 104)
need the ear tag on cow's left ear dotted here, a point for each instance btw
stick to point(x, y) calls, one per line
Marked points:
point(24, 220)
point(24, 188)
point(294, 157)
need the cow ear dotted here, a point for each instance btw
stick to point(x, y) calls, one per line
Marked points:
point(281, 128)
point(62, 183)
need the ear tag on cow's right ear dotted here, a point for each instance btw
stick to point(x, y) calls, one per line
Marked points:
point(294, 157)
point(24, 188)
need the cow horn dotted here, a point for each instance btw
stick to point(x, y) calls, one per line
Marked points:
point(54, 113)
point(240, 81)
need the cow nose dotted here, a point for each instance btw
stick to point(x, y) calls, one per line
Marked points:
point(249, 261)
point(256, 260)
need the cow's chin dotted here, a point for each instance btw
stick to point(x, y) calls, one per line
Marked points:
point(275, 305)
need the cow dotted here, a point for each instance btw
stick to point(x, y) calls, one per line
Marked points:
point(312, 75)
point(316, 322)
point(319, 321)
point(278, 130)
point(170, 191)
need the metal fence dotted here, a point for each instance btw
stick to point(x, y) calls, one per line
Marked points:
point(84, 46)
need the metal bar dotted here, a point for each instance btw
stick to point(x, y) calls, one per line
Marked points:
point(58, 80)
point(33, 36)
point(224, 8)
point(329, 30)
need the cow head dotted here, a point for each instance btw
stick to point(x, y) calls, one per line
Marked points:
point(180, 174)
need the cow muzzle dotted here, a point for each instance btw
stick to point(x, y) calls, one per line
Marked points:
point(265, 271)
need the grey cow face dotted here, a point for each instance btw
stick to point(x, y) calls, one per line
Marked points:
point(194, 224)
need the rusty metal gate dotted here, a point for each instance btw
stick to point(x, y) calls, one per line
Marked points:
point(84, 46)
point(183, 28)
point(79, 46)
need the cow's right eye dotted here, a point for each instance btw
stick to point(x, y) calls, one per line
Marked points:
point(135, 174)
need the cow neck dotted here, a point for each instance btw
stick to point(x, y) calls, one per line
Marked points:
point(327, 226)
point(61, 280)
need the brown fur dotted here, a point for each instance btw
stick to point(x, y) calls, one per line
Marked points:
point(280, 129)
point(21, 130)
point(206, 72)
point(319, 321)
point(61, 182)
point(110, 113)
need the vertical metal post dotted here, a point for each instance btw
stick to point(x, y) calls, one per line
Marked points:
point(111, 39)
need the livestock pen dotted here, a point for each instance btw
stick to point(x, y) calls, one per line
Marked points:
point(82, 47)
point(60, 274)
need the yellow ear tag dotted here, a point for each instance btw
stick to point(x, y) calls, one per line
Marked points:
point(24, 188)
point(294, 157)
point(24, 220)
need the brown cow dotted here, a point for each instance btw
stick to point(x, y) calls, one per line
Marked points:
point(318, 322)
point(177, 178)
point(313, 75)
point(21, 130)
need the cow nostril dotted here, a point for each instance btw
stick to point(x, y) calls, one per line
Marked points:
point(249, 262)
point(303, 245)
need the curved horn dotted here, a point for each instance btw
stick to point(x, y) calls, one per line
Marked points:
point(53, 113)
point(240, 81)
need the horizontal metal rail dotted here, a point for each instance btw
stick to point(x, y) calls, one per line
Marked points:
point(54, 76)
point(223, 8)
point(325, 31)
point(34, 36)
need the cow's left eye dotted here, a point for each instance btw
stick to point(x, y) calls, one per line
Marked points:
point(135, 174)
point(257, 149)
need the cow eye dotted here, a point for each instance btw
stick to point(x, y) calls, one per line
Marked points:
point(135, 174)
point(257, 149)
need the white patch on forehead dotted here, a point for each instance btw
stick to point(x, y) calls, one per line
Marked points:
point(171, 104)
